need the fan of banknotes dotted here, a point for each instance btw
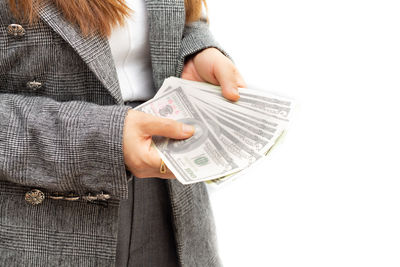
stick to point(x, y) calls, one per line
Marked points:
point(229, 136)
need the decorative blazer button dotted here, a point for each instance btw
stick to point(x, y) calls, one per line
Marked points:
point(15, 30)
point(34, 85)
point(34, 197)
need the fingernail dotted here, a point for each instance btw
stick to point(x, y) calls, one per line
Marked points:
point(235, 91)
point(235, 94)
point(187, 129)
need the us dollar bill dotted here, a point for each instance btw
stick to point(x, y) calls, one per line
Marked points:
point(199, 158)
point(257, 100)
point(267, 129)
point(239, 134)
point(236, 175)
point(256, 142)
point(240, 152)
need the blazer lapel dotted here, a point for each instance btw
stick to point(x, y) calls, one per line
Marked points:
point(94, 50)
point(166, 24)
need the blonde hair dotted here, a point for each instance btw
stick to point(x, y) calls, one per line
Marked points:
point(92, 15)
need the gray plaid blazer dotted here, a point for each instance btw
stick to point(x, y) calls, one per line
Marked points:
point(61, 123)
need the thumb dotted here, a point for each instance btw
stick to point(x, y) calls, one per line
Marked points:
point(228, 78)
point(168, 128)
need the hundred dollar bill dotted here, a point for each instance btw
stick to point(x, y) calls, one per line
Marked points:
point(256, 122)
point(246, 130)
point(247, 92)
point(256, 142)
point(198, 158)
point(277, 107)
point(267, 129)
point(239, 151)
point(234, 176)
point(252, 102)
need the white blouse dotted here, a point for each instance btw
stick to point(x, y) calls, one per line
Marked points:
point(131, 53)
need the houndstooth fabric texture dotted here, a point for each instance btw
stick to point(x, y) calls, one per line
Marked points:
point(61, 123)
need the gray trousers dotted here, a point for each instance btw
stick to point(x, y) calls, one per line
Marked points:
point(145, 235)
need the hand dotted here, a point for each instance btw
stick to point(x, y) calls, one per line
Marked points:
point(211, 66)
point(141, 158)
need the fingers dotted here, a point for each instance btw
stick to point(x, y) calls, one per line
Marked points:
point(165, 127)
point(140, 157)
point(162, 127)
point(212, 66)
point(153, 167)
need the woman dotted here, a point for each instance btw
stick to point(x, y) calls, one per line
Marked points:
point(73, 152)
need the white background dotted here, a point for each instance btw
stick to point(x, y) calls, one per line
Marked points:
point(329, 195)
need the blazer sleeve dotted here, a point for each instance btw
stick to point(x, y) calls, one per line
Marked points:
point(196, 37)
point(73, 147)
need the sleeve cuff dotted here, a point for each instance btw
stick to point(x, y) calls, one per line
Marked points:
point(103, 167)
point(196, 37)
